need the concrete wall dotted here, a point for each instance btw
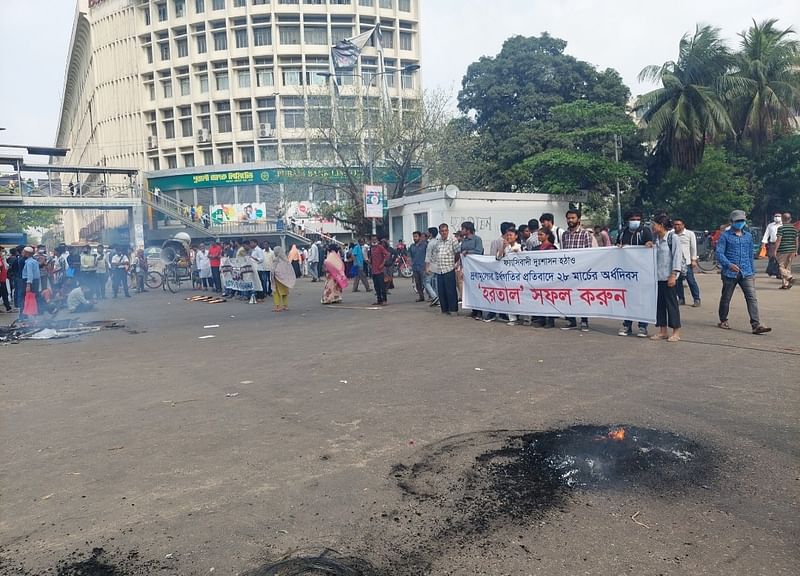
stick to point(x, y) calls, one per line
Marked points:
point(485, 209)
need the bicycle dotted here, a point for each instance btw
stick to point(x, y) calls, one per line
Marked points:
point(708, 261)
point(154, 280)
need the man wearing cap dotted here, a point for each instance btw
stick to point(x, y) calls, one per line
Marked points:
point(735, 257)
point(31, 275)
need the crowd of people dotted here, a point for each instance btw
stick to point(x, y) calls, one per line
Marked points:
point(76, 278)
point(68, 277)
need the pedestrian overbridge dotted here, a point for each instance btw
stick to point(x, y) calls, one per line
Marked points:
point(69, 202)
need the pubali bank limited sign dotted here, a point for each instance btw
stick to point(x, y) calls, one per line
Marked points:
point(269, 176)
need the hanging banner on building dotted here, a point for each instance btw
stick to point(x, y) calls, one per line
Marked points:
point(600, 282)
point(373, 201)
point(222, 213)
point(239, 274)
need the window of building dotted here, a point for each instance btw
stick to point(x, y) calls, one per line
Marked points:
point(202, 46)
point(188, 160)
point(322, 153)
point(186, 127)
point(203, 80)
point(147, 16)
point(366, 2)
point(316, 35)
point(243, 78)
point(288, 1)
point(314, 2)
point(294, 152)
point(226, 156)
point(262, 36)
point(244, 105)
point(180, 8)
point(406, 41)
point(241, 38)
point(172, 162)
point(222, 106)
point(218, 4)
point(387, 38)
point(239, 3)
point(163, 13)
point(267, 117)
point(264, 77)
point(248, 154)
point(163, 49)
point(148, 50)
point(156, 165)
point(220, 40)
point(199, 6)
point(407, 81)
point(208, 157)
point(185, 86)
point(268, 153)
point(289, 34)
point(246, 121)
point(294, 119)
point(169, 130)
point(221, 79)
point(421, 221)
point(224, 123)
point(386, 4)
point(339, 33)
point(151, 90)
point(260, 2)
point(404, 5)
point(182, 46)
point(292, 77)
point(166, 86)
point(340, 2)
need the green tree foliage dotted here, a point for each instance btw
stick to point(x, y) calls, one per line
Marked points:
point(510, 99)
point(764, 89)
point(706, 195)
point(21, 219)
point(687, 111)
point(778, 177)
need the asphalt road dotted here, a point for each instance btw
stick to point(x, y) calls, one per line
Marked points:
point(290, 433)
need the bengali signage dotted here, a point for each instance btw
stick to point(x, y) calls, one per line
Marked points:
point(270, 176)
point(253, 212)
point(599, 282)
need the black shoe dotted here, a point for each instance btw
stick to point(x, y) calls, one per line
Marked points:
point(434, 302)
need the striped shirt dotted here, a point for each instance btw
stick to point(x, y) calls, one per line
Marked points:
point(788, 236)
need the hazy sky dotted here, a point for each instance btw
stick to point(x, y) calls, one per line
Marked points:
point(622, 34)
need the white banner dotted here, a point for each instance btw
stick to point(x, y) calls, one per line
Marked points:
point(594, 282)
point(239, 274)
point(373, 201)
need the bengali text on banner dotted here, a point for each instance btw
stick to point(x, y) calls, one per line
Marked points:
point(599, 282)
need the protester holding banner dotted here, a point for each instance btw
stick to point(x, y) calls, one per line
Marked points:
point(576, 236)
point(669, 263)
point(510, 246)
point(446, 254)
point(634, 234)
point(471, 244)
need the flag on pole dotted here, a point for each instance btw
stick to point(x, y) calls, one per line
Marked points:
point(344, 55)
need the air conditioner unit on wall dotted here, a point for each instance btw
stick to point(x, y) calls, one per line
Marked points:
point(264, 130)
point(152, 142)
point(203, 135)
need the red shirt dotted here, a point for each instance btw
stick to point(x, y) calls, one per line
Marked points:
point(378, 255)
point(215, 255)
point(3, 270)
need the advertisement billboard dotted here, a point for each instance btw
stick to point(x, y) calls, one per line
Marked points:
point(252, 212)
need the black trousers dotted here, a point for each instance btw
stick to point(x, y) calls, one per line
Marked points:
point(4, 295)
point(446, 289)
point(380, 287)
point(266, 289)
point(667, 311)
point(217, 279)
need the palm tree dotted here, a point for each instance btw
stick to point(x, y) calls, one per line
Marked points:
point(687, 111)
point(764, 90)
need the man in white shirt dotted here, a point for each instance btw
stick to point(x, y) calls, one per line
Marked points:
point(688, 241)
point(768, 240)
point(313, 261)
point(77, 301)
point(430, 267)
point(269, 267)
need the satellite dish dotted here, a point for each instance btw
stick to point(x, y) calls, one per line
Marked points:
point(451, 191)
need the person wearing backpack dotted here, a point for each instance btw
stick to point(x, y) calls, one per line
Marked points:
point(669, 263)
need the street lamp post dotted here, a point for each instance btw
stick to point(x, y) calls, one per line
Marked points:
point(365, 100)
point(617, 144)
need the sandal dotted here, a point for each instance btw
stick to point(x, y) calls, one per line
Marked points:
point(724, 325)
point(674, 339)
point(658, 337)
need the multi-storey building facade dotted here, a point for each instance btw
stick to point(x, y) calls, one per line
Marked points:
point(180, 87)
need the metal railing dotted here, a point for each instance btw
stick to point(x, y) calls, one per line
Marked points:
point(70, 190)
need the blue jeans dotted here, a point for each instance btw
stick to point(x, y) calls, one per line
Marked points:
point(748, 286)
point(693, 287)
point(427, 282)
point(629, 325)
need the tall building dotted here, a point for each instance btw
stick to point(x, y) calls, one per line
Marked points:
point(209, 98)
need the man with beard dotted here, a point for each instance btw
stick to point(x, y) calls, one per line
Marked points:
point(575, 237)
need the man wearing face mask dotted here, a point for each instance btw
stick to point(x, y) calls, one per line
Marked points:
point(634, 234)
point(768, 241)
point(735, 257)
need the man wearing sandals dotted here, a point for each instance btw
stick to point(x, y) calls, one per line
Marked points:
point(735, 257)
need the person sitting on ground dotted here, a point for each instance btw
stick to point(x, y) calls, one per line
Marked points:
point(78, 301)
